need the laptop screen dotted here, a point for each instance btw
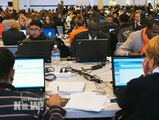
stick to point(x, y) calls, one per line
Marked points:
point(50, 32)
point(125, 68)
point(60, 30)
point(29, 74)
point(35, 48)
point(24, 31)
point(92, 50)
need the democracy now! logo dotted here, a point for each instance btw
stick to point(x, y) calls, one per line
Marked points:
point(29, 104)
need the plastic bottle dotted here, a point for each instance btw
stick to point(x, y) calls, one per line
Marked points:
point(55, 55)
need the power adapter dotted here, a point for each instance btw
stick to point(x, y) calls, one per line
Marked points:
point(95, 67)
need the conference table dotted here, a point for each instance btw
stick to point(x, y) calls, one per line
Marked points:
point(105, 74)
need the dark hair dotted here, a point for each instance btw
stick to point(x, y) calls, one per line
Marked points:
point(7, 60)
point(79, 20)
point(36, 23)
point(124, 18)
point(151, 22)
point(93, 23)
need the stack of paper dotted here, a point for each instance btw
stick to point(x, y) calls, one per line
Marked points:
point(87, 101)
point(71, 87)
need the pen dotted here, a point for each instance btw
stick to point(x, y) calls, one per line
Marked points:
point(57, 88)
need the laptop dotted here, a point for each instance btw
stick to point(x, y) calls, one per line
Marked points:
point(60, 29)
point(12, 48)
point(50, 32)
point(29, 74)
point(92, 50)
point(24, 31)
point(124, 69)
point(35, 48)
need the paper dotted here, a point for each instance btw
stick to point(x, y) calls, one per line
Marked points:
point(71, 87)
point(65, 87)
point(87, 101)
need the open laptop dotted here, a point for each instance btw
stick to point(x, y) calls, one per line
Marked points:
point(60, 29)
point(29, 74)
point(124, 69)
point(12, 48)
point(92, 50)
point(35, 48)
point(50, 32)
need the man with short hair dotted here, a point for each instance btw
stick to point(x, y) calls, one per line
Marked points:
point(137, 42)
point(10, 98)
point(93, 32)
point(36, 31)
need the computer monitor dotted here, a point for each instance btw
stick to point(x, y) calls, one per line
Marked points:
point(50, 32)
point(92, 50)
point(124, 69)
point(35, 48)
point(29, 74)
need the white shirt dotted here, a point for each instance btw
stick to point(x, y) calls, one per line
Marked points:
point(156, 70)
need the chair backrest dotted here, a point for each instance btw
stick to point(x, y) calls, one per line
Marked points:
point(124, 33)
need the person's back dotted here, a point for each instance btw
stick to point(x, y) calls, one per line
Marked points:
point(139, 99)
point(18, 105)
point(13, 35)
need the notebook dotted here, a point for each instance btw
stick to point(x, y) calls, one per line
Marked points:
point(92, 50)
point(50, 32)
point(124, 69)
point(35, 48)
point(29, 74)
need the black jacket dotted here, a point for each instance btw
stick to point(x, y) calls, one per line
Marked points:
point(12, 36)
point(141, 98)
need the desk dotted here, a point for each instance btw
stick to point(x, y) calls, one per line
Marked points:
point(105, 74)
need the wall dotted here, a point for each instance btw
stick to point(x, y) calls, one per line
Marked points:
point(52, 4)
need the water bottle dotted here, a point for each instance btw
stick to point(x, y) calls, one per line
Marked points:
point(55, 55)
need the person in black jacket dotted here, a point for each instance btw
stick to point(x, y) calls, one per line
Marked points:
point(13, 35)
point(93, 32)
point(140, 98)
point(16, 105)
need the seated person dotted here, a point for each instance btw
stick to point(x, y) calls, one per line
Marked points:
point(93, 32)
point(80, 27)
point(9, 96)
point(137, 41)
point(36, 31)
point(139, 100)
point(13, 35)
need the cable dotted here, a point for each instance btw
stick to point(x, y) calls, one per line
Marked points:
point(50, 77)
point(84, 73)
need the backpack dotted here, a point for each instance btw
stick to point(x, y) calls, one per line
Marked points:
point(124, 33)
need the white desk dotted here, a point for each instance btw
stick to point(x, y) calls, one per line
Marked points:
point(105, 74)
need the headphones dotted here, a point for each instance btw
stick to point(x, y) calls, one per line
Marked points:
point(50, 77)
point(49, 69)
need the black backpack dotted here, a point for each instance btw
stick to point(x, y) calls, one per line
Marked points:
point(124, 33)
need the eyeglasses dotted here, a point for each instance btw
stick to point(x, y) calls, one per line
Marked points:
point(35, 30)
